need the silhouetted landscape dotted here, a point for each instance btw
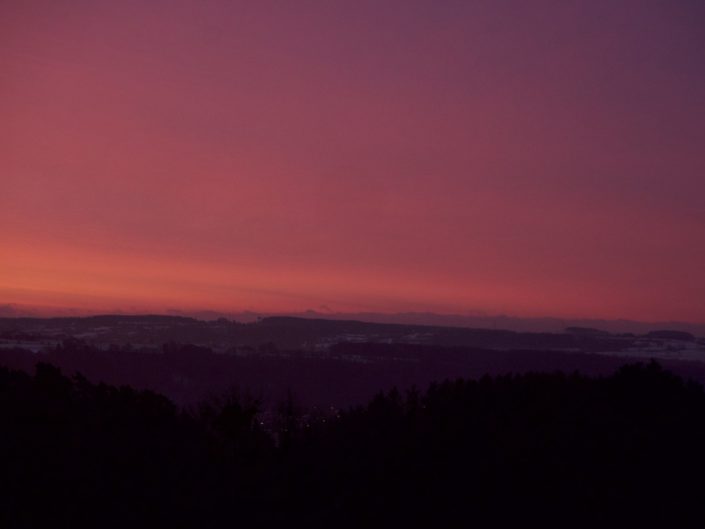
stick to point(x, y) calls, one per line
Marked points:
point(325, 363)
point(313, 423)
point(546, 450)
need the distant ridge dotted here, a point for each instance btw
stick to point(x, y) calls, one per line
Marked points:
point(478, 321)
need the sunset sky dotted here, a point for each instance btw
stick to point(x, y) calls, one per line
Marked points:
point(541, 157)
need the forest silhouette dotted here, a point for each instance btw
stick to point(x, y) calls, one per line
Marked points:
point(550, 450)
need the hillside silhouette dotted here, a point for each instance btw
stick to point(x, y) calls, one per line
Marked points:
point(344, 374)
point(549, 450)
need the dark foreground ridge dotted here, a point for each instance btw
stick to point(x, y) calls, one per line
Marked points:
point(535, 450)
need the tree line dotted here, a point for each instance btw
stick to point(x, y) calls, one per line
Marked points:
point(559, 450)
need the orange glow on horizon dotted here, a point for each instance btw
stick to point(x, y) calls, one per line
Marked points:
point(414, 157)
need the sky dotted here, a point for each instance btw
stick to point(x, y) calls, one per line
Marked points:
point(492, 156)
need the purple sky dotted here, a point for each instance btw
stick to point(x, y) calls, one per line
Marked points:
point(529, 158)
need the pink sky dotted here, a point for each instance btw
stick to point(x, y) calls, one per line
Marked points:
point(528, 158)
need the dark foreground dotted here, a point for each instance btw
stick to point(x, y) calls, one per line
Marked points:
point(544, 450)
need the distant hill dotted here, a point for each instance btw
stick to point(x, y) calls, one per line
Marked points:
point(324, 362)
point(475, 320)
point(287, 332)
